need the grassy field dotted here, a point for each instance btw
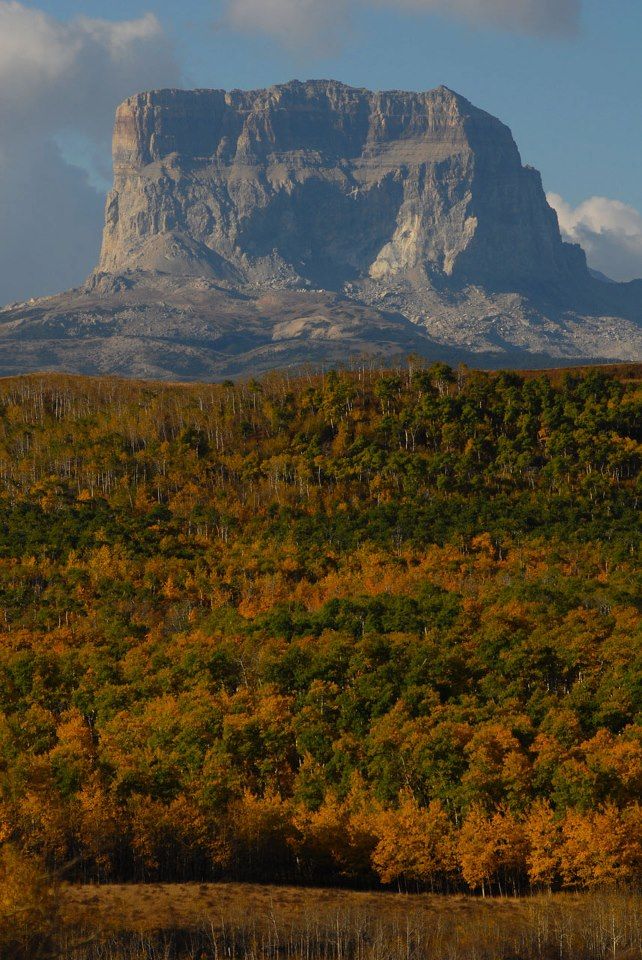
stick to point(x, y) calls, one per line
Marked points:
point(145, 907)
point(199, 922)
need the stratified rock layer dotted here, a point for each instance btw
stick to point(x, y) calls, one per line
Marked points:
point(320, 184)
point(315, 222)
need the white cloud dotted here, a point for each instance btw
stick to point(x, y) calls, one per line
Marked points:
point(320, 25)
point(62, 79)
point(539, 17)
point(317, 24)
point(609, 231)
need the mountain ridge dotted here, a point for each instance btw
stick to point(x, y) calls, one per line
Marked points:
point(375, 222)
point(408, 172)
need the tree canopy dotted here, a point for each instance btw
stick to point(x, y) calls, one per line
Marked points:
point(366, 626)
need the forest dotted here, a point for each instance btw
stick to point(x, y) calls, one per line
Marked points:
point(365, 627)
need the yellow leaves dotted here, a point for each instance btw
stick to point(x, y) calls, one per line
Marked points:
point(476, 850)
point(490, 845)
point(6, 826)
point(109, 563)
point(143, 500)
point(497, 764)
point(324, 832)
point(273, 709)
point(414, 844)
point(146, 826)
point(186, 499)
point(74, 733)
point(72, 756)
point(261, 594)
point(542, 832)
point(171, 590)
point(218, 596)
point(601, 847)
point(179, 828)
point(48, 493)
point(99, 826)
point(260, 821)
point(502, 619)
point(42, 821)
point(342, 438)
point(383, 489)
point(342, 833)
point(582, 770)
point(616, 758)
point(483, 544)
point(290, 563)
point(369, 571)
point(232, 497)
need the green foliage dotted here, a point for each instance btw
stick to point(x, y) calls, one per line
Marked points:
point(423, 581)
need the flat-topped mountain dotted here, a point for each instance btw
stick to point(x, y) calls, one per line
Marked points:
point(322, 184)
point(314, 220)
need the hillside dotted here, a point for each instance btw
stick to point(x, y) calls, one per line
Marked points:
point(367, 627)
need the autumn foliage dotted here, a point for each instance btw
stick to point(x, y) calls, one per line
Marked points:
point(362, 627)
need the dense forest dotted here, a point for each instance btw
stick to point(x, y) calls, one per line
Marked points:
point(356, 627)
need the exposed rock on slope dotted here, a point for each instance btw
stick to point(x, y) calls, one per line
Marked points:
point(380, 222)
point(324, 184)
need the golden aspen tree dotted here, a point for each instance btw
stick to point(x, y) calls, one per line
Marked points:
point(99, 826)
point(261, 829)
point(415, 844)
point(44, 824)
point(322, 834)
point(601, 847)
point(477, 850)
point(542, 834)
point(510, 849)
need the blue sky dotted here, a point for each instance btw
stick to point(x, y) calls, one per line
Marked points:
point(573, 103)
point(570, 91)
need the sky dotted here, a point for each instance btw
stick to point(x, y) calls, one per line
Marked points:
point(565, 75)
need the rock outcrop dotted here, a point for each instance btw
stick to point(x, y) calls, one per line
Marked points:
point(320, 184)
point(312, 221)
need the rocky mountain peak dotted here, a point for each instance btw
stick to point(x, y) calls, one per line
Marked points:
point(313, 221)
point(321, 184)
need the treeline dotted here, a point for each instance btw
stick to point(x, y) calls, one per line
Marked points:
point(366, 627)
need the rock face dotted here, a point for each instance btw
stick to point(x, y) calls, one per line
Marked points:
point(320, 185)
point(312, 222)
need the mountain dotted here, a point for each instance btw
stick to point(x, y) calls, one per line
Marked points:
point(320, 185)
point(314, 221)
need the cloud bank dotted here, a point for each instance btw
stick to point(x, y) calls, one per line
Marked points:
point(320, 24)
point(538, 17)
point(609, 231)
point(62, 79)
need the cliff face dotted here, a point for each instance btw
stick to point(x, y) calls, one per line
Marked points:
point(320, 185)
point(313, 222)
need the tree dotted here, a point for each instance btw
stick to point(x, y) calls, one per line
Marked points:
point(415, 845)
point(601, 847)
point(542, 833)
point(477, 851)
point(491, 850)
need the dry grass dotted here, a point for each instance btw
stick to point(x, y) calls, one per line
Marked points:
point(145, 907)
point(250, 922)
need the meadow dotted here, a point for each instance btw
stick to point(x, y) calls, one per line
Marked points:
point(240, 921)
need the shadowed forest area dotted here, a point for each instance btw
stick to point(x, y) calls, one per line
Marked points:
point(366, 628)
